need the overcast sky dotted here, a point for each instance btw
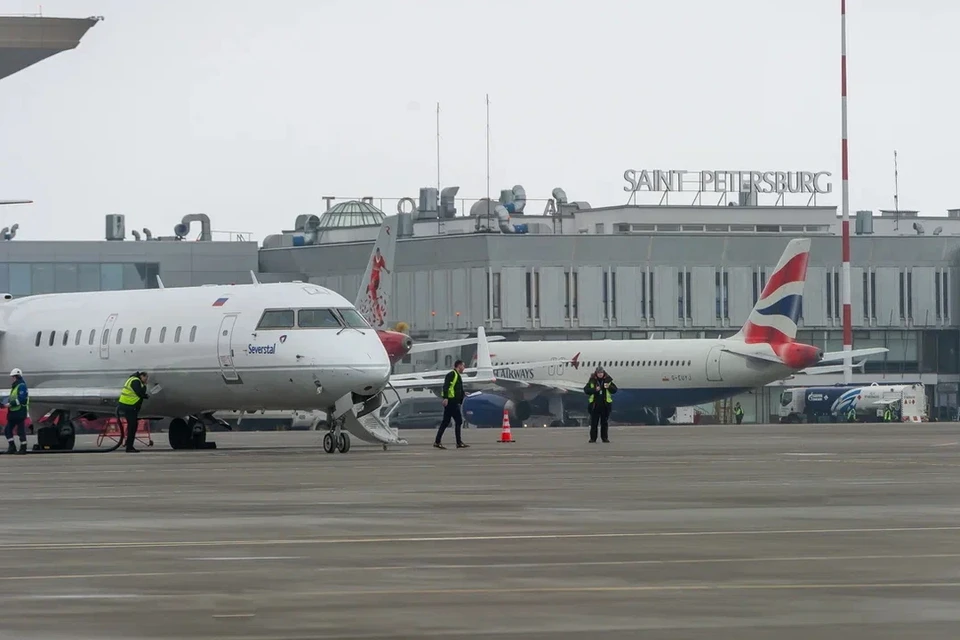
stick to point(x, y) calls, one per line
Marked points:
point(252, 110)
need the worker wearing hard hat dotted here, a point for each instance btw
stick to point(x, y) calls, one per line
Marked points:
point(17, 405)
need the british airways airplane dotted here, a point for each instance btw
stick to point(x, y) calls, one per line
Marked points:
point(656, 376)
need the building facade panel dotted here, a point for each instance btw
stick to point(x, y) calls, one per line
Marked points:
point(421, 297)
point(590, 289)
point(856, 297)
point(665, 296)
point(888, 296)
point(705, 294)
point(552, 297)
point(924, 296)
point(740, 294)
point(815, 297)
point(480, 311)
point(440, 299)
point(402, 302)
point(513, 286)
point(460, 297)
point(631, 282)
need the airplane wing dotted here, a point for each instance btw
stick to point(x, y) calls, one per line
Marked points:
point(482, 373)
point(420, 347)
point(834, 368)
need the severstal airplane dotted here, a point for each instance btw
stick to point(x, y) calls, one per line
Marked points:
point(208, 348)
point(656, 376)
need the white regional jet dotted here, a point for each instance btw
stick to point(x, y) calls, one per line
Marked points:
point(656, 376)
point(258, 346)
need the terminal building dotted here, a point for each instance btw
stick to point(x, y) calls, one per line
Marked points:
point(688, 262)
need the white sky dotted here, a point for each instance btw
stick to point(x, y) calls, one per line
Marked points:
point(252, 110)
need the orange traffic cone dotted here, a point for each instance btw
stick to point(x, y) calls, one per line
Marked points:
point(505, 435)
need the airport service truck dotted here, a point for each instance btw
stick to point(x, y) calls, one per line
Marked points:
point(812, 404)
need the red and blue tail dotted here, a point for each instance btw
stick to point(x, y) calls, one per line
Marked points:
point(774, 318)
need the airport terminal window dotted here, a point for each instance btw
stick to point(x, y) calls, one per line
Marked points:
point(193, 333)
point(353, 319)
point(317, 319)
point(20, 279)
point(39, 335)
point(66, 337)
point(111, 277)
point(176, 334)
point(53, 335)
point(65, 277)
point(133, 335)
point(119, 335)
point(146, 335)
point(163, 334)
point(88, 277)
point(42, 278)
point(276, 319)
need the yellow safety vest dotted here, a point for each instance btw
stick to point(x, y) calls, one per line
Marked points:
point(449, 394)
point(593, 395)
point(15, 398)
point(127, 395)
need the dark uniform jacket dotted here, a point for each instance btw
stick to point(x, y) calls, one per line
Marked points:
point(453, 387)
point(597, 395)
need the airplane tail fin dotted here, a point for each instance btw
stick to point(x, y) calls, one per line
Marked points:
point(376, 286)
point(774, 318)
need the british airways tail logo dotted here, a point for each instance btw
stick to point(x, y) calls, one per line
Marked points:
point(775, 316)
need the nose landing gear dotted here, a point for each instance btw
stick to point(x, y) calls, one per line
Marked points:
point(336, 441)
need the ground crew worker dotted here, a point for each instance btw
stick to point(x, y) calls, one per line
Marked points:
point(738, 413)
point(600, 389)
point(851, 415)
point(132, 395)
point(18, 405)
point(887, 414)
point(452, 399)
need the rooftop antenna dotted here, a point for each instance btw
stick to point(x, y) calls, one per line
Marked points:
point(489, 210)
point(845, 225)
point(896, 190)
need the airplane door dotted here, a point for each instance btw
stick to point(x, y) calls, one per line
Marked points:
point(105, 336)
point(713, 364)
point(225, 349)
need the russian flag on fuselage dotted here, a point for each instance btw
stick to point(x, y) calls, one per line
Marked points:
point(220, 302)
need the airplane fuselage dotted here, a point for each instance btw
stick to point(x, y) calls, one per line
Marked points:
point(209, 348)
point(653, 373)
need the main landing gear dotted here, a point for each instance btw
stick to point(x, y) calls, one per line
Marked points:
point(336, 439)
point(191, 432)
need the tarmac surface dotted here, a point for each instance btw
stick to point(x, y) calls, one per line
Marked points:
point(666, 533)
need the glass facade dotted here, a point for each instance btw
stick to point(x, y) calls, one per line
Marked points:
point(31, 278)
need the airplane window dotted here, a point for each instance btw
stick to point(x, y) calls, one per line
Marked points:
point(93, 335)
point(76, 341)
point(317, 319)
point(146, 336)
point(119, 334)
point(163, 334)
point(176, 334)
point(276, 319)
point(66, 337)
point(193, 333)
point(39, 334)
point(133, 335)
point(353, 319)
point(53, 334)
point(105, 337)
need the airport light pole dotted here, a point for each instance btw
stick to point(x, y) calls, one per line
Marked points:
point(845, 201)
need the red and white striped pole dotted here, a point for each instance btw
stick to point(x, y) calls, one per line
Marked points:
point(845, 197)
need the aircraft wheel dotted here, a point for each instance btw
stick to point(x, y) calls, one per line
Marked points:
point(179, 434)
point(384, 447)
point(344, 442)
point(328, 443)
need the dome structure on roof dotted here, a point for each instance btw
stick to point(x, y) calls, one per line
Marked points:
point(352, 213)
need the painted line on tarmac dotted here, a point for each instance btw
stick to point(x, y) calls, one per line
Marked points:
point(462, 538)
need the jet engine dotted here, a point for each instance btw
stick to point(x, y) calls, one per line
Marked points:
point(486, 410)
point(396, 344)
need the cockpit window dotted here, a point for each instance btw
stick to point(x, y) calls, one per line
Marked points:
point(317, 318)
point(353, 319)
point(276, 319)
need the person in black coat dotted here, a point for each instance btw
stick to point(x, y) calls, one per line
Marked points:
point(452, 395)
point(600, 389)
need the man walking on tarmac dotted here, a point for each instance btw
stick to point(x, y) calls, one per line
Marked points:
point(17, 407)
point(452, 399)
point(132, 395)
point(600, 388)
